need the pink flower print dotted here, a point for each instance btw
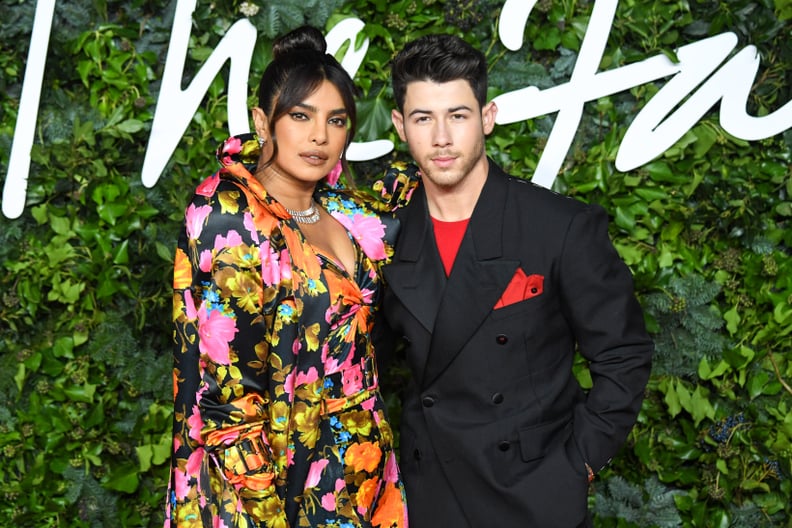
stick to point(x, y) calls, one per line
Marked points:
point(195, 424)
point(331, 364)
point(251, 227)
point(391, 471)
point(215, 331)
point(329, 501)
point(232, 239)
point(194, 220)
point(275, 267)
point(205, 261)
point(232, 145)
point(194, 462)
point(352, 380)
point(209, 185)
point(307, 377)
point(315, 472)
point(367, 231)
point(367, 295)
point(189, 305)
point(270, 265)
point(334, 174)
point(288, 384)
point(180, 483)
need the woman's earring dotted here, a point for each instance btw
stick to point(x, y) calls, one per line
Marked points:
point(261, 141)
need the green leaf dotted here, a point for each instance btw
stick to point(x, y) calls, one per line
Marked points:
point(130, 126)
point(81, 393)
point(732, 319)
point(123, 478)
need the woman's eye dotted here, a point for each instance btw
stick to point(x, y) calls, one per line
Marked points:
point(338, 121)
point(298, 115)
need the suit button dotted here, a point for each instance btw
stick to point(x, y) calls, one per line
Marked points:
point(497, 398)
point(417, 454)
point(502, 339)
point(428, 401)
point(504, 445)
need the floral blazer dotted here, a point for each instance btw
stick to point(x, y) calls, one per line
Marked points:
point(278, 420)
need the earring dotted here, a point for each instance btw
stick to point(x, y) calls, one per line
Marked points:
point(261, 141)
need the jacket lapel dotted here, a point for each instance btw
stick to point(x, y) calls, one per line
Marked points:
point(415, 274)
point(477, 280)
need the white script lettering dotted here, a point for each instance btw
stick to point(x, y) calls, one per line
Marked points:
point(661, 123)
point(648, 136)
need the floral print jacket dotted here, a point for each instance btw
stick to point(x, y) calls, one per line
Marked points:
point(278, 420)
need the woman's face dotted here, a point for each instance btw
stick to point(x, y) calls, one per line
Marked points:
point(311, 136)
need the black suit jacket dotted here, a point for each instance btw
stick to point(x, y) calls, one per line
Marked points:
point(496, 431)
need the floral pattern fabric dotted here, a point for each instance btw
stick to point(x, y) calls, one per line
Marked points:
point(278, 420)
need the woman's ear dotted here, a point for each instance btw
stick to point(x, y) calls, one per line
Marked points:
point(261, 123)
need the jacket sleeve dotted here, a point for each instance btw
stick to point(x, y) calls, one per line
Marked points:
point(209, 322)
point(600, 305)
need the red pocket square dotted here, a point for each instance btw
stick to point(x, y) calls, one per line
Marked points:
point(520, 288)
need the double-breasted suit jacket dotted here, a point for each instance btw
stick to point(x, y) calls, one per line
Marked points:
point(496, 431)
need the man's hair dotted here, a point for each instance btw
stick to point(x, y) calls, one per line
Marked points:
point(439, 59)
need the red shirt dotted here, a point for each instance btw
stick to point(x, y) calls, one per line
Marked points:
point(448, 236)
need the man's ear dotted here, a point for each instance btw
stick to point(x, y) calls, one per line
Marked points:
point(398, 122)
point(261, 123)
point(488, 114)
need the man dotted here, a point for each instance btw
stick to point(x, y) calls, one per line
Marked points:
point(494, 283)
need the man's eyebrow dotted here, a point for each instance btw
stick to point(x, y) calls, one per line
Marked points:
point(448, 111)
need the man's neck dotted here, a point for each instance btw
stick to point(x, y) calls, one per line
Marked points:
point(454, 203)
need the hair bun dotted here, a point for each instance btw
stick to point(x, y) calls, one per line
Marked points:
point(305, 38)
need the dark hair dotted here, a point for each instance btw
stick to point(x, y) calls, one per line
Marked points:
point(299, 65)
point(440, 59)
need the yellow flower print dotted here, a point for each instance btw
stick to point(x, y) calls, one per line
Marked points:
point(189, 515)
point(357, 422)
point(246, 287)
point(306, 421)
point(268, 510)
point(178, 307)
point(229, 202)
point(311, 392)
point(312, 336)
point(279, 415)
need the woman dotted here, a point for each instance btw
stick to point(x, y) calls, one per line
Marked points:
point(278, 417)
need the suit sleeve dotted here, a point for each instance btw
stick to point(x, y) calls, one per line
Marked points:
point(600, 304)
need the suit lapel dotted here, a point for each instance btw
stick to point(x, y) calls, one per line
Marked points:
point(477, 280)
point(415, 274)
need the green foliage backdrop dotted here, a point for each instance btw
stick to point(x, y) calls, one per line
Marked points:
point(85, 395)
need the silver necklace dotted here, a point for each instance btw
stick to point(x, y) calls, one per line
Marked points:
point(309, 216)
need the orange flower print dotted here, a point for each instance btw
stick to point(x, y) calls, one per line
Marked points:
point(365, 494)
point(363, 457)
point(390, 508)
point(182, 270)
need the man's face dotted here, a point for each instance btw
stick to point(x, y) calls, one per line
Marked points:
point(445, 129)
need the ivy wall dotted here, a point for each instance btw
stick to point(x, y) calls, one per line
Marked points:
point(85, 390)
